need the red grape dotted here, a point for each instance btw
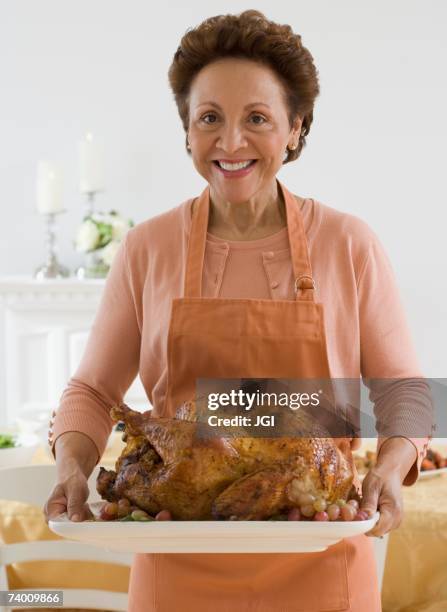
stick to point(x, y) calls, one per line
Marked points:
point(294, 515)
point(109, 511)
point(321, 516)
point(103, 516)
point(163, 515)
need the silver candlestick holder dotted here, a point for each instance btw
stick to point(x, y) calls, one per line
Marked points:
point(92, 266)
point(51, 268)
point(90, 203)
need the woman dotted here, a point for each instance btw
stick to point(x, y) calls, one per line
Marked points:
point(245, 89)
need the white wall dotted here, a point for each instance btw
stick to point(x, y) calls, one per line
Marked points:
point(376, 148)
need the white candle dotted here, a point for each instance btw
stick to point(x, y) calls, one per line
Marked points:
point(91, 160)
point(49, 187)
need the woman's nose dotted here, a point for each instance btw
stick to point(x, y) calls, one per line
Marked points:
point(231, 139)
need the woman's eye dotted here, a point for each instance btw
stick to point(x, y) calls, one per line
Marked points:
point(260, 120)
point(208, 115)
point(259, 117)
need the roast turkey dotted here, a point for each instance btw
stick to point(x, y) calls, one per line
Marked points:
point(174, 464)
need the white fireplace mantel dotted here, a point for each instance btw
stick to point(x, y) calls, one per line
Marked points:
point(44, 327)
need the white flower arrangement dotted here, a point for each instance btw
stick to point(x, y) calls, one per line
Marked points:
point(100, 234)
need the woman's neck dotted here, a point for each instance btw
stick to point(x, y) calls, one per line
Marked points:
point(261, 216)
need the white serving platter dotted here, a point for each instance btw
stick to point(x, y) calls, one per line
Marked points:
point(209, 536)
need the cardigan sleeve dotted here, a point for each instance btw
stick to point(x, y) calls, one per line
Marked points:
point(389, 365)
point(109, 363)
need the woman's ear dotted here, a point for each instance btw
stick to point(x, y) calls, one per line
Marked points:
point(295, 132)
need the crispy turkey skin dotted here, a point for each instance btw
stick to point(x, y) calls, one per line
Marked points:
point(168, 464)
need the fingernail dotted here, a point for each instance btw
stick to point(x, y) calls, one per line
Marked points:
point(75, 517)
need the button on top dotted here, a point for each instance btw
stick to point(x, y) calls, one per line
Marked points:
point(274, 285)
point(269, 255)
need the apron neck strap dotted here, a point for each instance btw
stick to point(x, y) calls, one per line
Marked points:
point(304, 283)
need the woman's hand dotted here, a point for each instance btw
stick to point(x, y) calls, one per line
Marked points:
point(382, 486)
point(76, 456)
point(69, 495)
point(382, 491)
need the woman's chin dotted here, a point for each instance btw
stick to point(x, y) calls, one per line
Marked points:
point(237, 191)
point(235, 194)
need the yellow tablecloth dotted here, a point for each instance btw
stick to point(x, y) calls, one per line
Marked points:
point(415, 577)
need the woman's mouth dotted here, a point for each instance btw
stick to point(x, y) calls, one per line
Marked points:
point(234, 170)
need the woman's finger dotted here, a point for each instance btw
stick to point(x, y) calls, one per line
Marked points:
point(371, 487)
point(77, 497)
point(56, 503)
point(384, 524)
point(390, 508)
point(69, 496)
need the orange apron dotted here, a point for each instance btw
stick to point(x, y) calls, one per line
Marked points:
point(250, 338)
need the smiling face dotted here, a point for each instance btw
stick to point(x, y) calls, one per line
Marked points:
point(237, 113)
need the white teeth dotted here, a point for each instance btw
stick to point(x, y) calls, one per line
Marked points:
point(237, 166)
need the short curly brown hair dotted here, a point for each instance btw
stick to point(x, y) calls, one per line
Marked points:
point(249, 35)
